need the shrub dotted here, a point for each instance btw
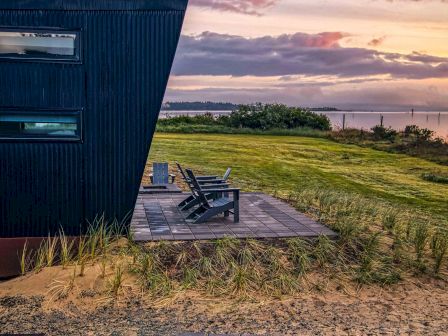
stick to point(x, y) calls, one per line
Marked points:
point(202, 119)
point(435, 178)
point(383, 133)
point(421, 134)
point(268, 116)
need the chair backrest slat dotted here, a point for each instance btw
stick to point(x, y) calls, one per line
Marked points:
point(181, 171)
point(227, 174)
point(160, 173)
point(196, 189)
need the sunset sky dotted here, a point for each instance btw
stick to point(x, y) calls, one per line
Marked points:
point(356, 54)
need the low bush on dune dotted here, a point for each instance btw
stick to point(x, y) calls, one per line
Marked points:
point(205, 119)
point(435, 178)
point(383, 133)
point(414, 141)
point(412, 135)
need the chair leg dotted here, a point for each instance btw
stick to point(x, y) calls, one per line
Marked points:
point(236, 211)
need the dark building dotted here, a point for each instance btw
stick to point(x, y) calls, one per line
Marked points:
point(81, 86)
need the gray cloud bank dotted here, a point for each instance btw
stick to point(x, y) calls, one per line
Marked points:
point(297, 54)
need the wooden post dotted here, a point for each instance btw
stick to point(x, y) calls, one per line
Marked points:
point(382, 120)
point(343, 121)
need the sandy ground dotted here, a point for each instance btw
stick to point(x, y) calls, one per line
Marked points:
point(28, 304)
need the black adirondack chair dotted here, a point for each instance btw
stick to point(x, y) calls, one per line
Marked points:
point(207, 179)
point(211, 208)
point(160, 174)
point(209, 182)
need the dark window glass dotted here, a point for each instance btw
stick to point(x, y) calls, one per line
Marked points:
point(39, 44)
point(40, 125)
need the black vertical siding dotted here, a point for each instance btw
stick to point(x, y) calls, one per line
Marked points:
point(127, 57)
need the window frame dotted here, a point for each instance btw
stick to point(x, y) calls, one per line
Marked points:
point(78, 113)
point(76, 58)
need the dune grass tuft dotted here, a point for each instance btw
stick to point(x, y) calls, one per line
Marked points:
point(439, 248)
point(24, 259)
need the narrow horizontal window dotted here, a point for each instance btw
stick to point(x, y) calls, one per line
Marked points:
point(39, 44)
point(55, 125)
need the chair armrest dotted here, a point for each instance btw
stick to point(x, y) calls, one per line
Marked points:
point(236, 194)
point(234, 190)
point(211, 182)
point(219, 186)
point(211, 177)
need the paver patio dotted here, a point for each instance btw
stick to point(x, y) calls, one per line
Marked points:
point(157, 217)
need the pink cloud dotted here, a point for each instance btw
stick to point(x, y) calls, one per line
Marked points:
point(251, 7)
point(322, 40)
point(377, 41)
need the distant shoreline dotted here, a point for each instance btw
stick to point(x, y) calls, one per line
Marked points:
point(326, 111)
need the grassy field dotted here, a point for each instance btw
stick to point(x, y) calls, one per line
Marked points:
point(284, 165)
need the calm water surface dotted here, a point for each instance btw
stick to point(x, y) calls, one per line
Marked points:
point(436, 121)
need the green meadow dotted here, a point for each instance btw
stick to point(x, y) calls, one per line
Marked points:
point(284, 165)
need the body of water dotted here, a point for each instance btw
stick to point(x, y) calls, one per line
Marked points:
point(435, 121)
point(167, 114)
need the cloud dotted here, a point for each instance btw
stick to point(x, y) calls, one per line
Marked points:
point(423, 58)
point(297, 54)
point(377, 41)
point(251, 7)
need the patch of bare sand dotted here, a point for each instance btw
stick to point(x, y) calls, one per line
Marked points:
point(32, 304)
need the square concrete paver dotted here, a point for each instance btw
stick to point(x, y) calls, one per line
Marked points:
point(157, 217)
